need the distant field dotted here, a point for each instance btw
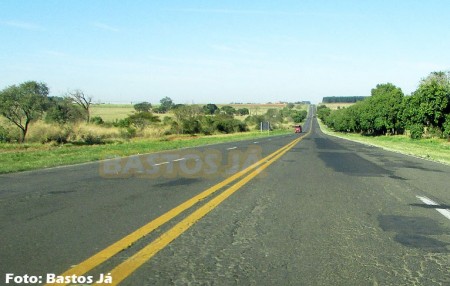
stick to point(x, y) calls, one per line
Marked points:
point(334, 106)
point(111, 112)
point(260, 108)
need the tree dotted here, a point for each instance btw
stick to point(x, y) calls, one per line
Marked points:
point(378, 114)
point(243, 111)
point(210, 108)
point(273, 115)
point(143, 106)
point(166, 104)
point(229, 110)
point(83, 101)
point(23, 104)
point(323, 112)
point(433, 98)
point(62, 110)
point(178, 105)
point(142, 119)
point(188, 118)
point(386, 106)
point(187, 112)
point(429, 105)
point(298, 115)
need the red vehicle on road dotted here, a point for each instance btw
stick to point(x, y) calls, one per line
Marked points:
point(298, 128)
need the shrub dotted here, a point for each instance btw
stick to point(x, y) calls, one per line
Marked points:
point(63, 111)
point(433, 132)
point(97, 120)
point(4, 135)
point(416, 131)
point(167, 120)
point(60, 136)
point(298, 116)
point(230, 125)
point(122, 123)
point(127, 133)
point(191, 126)
point(254, 119)
point(44, 133)
point(142, 119)
point(89, 133)
point(207, 123)
point(91, 139)
point(446, 127)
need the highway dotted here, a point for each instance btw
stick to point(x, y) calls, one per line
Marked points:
point(306, 209)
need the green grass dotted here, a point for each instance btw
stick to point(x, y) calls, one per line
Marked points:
point(432, 149)
point(17, 157)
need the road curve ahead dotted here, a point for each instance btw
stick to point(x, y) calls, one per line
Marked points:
point(286, 210)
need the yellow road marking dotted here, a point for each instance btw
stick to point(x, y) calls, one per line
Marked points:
point(131, 238)
point(130, 265)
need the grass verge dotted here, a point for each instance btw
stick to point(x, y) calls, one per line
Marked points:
point(432, 149)
point(23, 157)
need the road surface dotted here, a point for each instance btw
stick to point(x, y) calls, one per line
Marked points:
point(318, 211)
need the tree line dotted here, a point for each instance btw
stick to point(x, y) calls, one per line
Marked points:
point(209, 118)
point(29, 101)
point(389, 111)
point(342, 99)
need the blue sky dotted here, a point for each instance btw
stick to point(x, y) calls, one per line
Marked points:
point(222, 51)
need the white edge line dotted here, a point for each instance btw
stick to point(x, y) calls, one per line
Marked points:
point(181, 159)
point(444, 212)
point(163, 163)
point(232, 148)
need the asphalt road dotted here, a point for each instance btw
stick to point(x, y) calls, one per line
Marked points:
point(327, 212)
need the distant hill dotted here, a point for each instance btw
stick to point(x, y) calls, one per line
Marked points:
point(342, 99)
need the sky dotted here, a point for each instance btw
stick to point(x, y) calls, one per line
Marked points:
point(222, 51)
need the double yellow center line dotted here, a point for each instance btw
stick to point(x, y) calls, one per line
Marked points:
point(130, 265)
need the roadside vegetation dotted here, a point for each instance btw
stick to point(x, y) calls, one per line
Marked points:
point(37, 130)
point(416, 124)
point(423, 114)
point(434, 149)
point(31, 156)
